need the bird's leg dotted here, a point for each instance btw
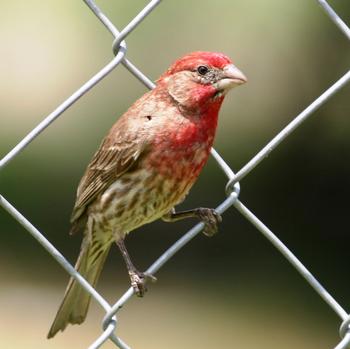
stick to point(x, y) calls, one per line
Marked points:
point(137, 278)
point(208, 216)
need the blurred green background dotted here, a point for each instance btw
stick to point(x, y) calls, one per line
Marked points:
point(234, 290)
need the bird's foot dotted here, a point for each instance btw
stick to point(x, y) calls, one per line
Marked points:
point(211, 220)
point(139, 280)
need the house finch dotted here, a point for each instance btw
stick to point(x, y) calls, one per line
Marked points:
point(145, 166)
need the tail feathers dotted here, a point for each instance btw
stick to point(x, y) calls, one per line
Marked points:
point(75, 304)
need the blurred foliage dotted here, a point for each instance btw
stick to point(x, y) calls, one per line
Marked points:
point(291, 52)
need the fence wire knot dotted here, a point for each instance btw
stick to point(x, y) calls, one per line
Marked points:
point(232, 189)
point(344, 327)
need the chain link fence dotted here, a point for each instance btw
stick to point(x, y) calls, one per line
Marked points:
point(110, 322)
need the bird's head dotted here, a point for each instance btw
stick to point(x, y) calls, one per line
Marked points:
point(199, 78)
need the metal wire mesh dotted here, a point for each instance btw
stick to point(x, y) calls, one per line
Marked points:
point(110, 322)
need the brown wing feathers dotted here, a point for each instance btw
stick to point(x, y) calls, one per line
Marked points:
point(108, 163)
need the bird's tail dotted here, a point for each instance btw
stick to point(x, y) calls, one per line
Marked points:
point(75, 304)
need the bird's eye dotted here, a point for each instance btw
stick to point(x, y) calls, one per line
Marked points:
point(202, 69)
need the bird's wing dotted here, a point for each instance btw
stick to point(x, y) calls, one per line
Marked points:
point(109, 163)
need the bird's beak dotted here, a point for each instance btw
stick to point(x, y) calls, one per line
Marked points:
point(231, 77)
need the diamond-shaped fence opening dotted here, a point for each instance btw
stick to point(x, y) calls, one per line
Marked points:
point(110, 322)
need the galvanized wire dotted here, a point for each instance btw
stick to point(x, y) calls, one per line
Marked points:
point(109, 323)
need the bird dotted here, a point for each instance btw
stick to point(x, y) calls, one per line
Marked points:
point(144, 167)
